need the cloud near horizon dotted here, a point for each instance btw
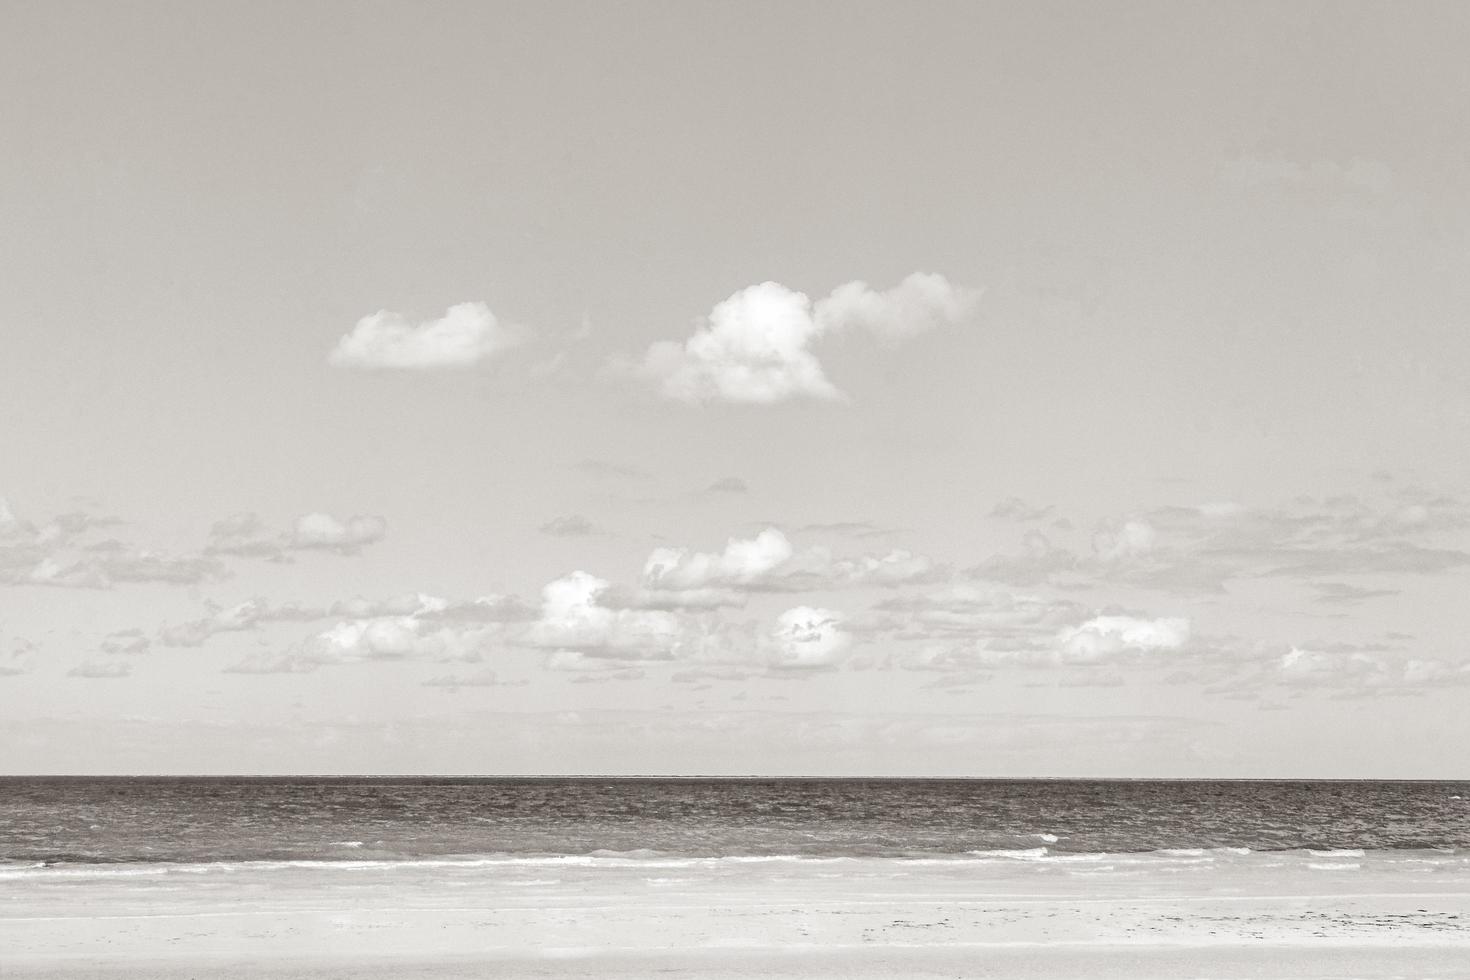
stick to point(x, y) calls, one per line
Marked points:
point(65, 552)
point(1200, 548)
point(769, 563)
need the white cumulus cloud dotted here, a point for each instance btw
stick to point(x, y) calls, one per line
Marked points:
point(573, 618)
point(1103, 637)
point(923, 301)
point(809, 637)
point(742, 562)
point(755, 347)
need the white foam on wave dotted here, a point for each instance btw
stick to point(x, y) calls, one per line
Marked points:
point(1013, 853)
point(453, 867)
point(346, 843)
point(43, 870)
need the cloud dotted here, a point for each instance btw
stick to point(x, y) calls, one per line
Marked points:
point(922, 302)
point(125, 642)
point(573, 618)
point(416, 606)
point(264, 662)
point(62, 553)
point(14, 660)
point(755, 347)
point(405, 629)
point(1200, 548)
point(728, 484)
point(1111, 637)
point(967, 610)
point(1039, 561)
point(1016, 509)
point(586, 629)
point(97, 669)
point(1347, 672)
point(466, 334)
point(385, 638)
point(409, 627)
point(806, 637)
point(480, 678)
point(742, 562)
point(323, 531)
point(1127, 539)
point(1342, 593)
point(113, 562)
point(606, 676)
point(485, 609)
point(571, 526)
point(246, 535)
point(963, 628)
point(247, 615)
point(592, 669)
point(769, 563)
point(413, 625)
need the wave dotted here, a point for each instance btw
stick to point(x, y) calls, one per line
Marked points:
point(645, 858)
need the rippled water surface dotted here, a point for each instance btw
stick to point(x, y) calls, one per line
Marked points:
point(89, 821)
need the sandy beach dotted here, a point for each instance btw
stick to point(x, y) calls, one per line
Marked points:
point(1193, 918)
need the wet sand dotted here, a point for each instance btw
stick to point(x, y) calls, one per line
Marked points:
point(1252, 918)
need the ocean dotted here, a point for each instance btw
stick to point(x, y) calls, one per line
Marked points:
point(59, 825)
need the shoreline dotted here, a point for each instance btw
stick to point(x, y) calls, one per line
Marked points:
point(1096, 962)
point(873, 919)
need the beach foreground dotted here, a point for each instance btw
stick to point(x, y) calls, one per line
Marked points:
point(1193, 917)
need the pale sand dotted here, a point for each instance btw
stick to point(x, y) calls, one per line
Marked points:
point(847, 919)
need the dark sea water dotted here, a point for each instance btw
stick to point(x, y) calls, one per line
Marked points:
point(70, 822)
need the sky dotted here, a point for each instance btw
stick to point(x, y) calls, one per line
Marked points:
point(794, 389)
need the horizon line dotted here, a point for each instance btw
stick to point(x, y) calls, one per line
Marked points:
point(748, 776)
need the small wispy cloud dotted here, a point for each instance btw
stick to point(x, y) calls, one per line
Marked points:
point(570, 526)
point(130, 641)
point(768, 562)
point(728, 484)
point(246, 535)
point(327, 533)
point(101, 669)
point(466, 335)
point(480, 678)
